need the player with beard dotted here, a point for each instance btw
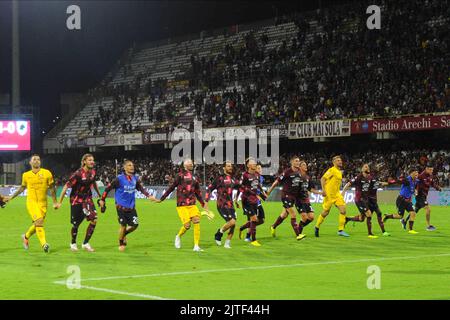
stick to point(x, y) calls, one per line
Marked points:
point(188, 189)
point(331, 183)
point(81, 204)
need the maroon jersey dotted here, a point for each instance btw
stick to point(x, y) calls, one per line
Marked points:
point(362, 186)
point(224, 184)
point(188, 188)
point(81, 183)
point(305, 186)
point(425, 181)
point(373, 188)
point(250, 184)
point(290, 181)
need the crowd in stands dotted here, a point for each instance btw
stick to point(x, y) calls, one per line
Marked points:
point(347, 71)
point(344, 70)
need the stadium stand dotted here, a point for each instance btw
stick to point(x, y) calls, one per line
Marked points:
point(304, 67)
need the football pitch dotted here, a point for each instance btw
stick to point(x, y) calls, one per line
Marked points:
point(329, 267)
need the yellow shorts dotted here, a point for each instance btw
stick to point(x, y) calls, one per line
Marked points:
point(328, 202)
point(36, 210)
point(187, 212)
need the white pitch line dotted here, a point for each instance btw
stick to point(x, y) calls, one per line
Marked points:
point(264, 267)
point(139, 295)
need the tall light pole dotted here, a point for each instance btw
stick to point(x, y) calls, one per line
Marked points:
point(15, 87)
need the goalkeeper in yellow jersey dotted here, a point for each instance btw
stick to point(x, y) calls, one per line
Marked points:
point(331, 183)
point(37, 181)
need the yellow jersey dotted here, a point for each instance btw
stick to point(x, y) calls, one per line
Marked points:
point(37, 185)
point(333, 178)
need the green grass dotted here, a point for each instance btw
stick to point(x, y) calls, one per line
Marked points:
point(330, 267)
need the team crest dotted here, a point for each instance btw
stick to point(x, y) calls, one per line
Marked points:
point(21, 127)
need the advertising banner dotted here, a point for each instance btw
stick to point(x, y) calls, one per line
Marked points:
point(401, 124)
point(130, 139)
point(149, 138)
point(319, 129)
point(268, 130)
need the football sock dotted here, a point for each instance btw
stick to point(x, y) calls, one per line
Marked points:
point(380, 222)
point(355, 218)
point(129, 230)
point(253, 230)
point(30, 232)
point(341, 221)
point(295, 226)
point(245, 226)
point(278, 221)
point(182, 231)
point(411, 224)
point(319, 221)
point(74, 233)
point(369, 225)
point(196, 233)
point(41, 235)
point(389, 216)
point(89, 231)
point(407, 218)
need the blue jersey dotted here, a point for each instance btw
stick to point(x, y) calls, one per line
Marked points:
point(126, 187)
point(408, 187)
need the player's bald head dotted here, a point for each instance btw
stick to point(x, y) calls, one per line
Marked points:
point(250, 161)
point(188, 164)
